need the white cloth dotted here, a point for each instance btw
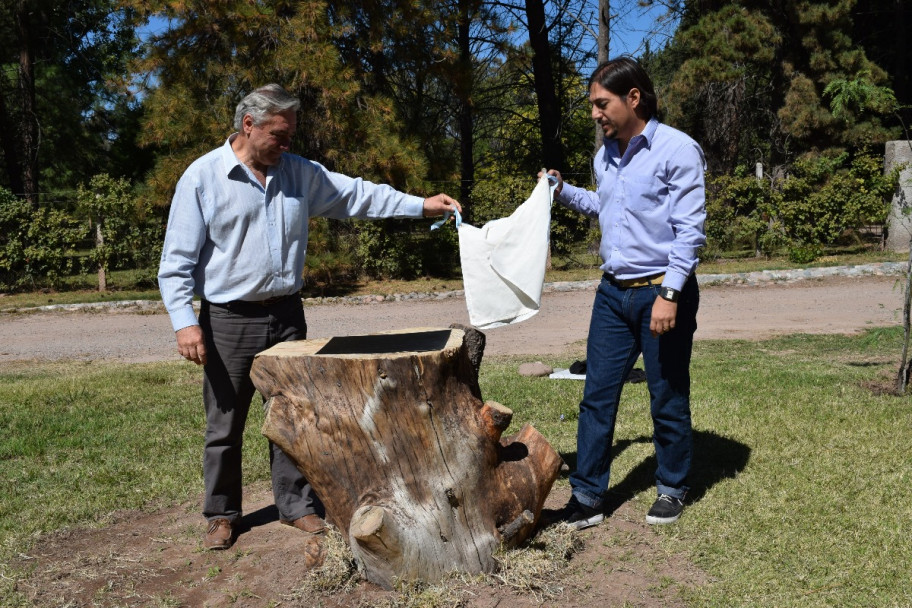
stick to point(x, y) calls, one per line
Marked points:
point(503, 262)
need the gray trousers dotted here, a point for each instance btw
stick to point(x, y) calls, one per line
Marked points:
point(235, 333)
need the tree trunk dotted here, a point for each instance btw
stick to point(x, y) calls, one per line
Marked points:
point(28, 127)
point(545, 91)
point(464, 88)
point(604, 54)
point(391, 432)
point(99, 244)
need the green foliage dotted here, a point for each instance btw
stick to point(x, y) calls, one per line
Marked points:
point(749, 80)
point(331, 254)
point(406, 249)
point(721, 92)
point(34, 245)
point(825, 196)
point(214, 53)
point(80, 50)
point(132, 228)
point(821, 200)
point(738, 208)
point(849, 98)
point(499, 196)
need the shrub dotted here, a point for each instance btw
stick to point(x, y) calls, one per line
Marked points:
point(737, 213)
point(826, 195)
point(34, 245)
point(406, 249)
point(131, 227)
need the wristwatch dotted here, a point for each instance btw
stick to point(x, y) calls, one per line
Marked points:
point(667, 293)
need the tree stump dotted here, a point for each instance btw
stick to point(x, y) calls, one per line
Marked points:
point(392, 433)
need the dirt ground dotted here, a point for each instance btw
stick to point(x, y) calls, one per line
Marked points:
point(154, 557)
point(748, 312)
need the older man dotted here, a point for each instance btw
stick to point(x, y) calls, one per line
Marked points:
point(237, 238)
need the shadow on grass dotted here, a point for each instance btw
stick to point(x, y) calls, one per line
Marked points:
point(715, 458)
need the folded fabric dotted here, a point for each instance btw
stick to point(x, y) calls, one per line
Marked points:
point(503, 262)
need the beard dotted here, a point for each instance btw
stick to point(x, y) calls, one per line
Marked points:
point(609, 130)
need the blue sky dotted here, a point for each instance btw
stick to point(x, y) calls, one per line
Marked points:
point(632, 26)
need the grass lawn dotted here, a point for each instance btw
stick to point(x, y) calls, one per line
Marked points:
point(801, 493)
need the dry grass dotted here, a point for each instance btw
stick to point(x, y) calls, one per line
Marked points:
point(533, 569)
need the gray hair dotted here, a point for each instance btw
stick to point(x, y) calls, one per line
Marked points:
point(263, 103)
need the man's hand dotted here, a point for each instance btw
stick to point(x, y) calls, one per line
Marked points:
point(191, 344)
point(440, 204)
point(560, 181)
point(663, 317)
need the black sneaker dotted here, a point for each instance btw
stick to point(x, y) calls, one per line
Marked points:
point(575, 514)
point(665, 510)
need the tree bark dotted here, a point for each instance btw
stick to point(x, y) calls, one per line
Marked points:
point(404, 453)
point(604, 54)
point(28, 127)
point(545, 90)
point(464, 87)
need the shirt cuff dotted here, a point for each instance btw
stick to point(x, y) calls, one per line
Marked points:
point(566, 193)
point(414, 207)
point(183, 317)
point(674, 280)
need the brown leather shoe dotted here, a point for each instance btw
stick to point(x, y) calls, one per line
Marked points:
point(312, 524)
point(219, 534)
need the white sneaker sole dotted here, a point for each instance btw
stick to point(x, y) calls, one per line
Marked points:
point(653, 520)
point(582, 524)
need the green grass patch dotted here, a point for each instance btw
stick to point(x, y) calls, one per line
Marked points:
point(801, 486)
point(82, 440)
point(801, 475)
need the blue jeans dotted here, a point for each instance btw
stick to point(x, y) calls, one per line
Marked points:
point(618, 334)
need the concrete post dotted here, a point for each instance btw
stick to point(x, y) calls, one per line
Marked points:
point(899, 223)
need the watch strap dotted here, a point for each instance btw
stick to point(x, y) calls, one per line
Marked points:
point(667, 293)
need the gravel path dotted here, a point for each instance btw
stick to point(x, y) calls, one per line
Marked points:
point(749, 306)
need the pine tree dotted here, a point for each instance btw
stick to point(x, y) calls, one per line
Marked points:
point(212, 54)
point(748, 79)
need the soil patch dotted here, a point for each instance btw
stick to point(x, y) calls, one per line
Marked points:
point(156, 559)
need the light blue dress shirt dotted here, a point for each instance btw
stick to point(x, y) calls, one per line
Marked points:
point(229, 238)
point(650, 203)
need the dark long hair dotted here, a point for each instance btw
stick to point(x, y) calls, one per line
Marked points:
point(622, 74)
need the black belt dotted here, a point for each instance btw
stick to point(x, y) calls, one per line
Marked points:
point(254, 304)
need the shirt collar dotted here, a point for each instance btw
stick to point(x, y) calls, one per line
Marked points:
point(650, 130)
point(230, 160)
point(648, 134)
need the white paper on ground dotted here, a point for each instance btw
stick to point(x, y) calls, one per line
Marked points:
point(566, 374)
